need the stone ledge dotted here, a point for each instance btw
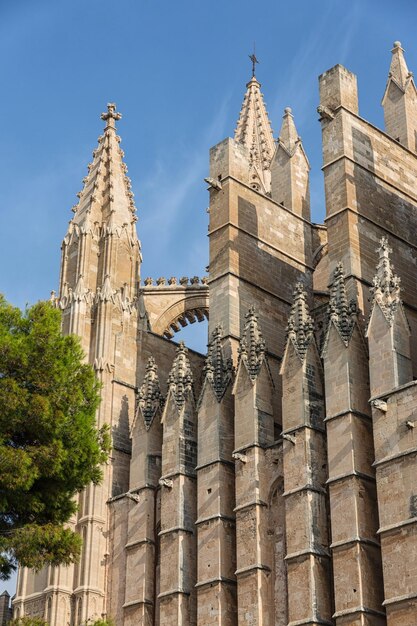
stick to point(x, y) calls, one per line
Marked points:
point(173, 592)
point(352, 474)
point(399, 599)
point(359, 609)
point(248, 505)
point(127, 605)
point(176, 529)
point(395, 457)
point(252, 568)
point(306, 553)
point(139, 542)
point(216, 516)
point(349, 542)
point(219, 580)
point(392, 528)
point(214, 462)
point(350, 411)
point(308, 487)
point(310, 622)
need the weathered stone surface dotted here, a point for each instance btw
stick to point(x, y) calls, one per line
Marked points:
point(272, 482)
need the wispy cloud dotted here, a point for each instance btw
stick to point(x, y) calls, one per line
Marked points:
point(328, 39)
point(168, 190)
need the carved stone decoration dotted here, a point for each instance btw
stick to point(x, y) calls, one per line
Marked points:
point(218, 371)
point(300, 324)
point(252, 345)
point(342, 314)
point(386, 284)
point(180, 379)
point(150, 398)
point(255, 133)
point(106, 293)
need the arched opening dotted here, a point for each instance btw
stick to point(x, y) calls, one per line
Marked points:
point(195, 336)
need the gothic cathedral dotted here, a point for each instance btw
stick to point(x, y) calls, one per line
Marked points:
point(273, 481)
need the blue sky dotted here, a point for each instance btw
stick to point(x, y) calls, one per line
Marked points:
point(177, 71)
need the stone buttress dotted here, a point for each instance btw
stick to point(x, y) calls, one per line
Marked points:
point(178, 554)
point(352, 490)
point(216, 545)
point(305, 472)
point(394, 412)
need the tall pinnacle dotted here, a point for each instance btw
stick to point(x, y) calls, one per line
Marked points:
point(180, 379)
point(218, 371)
point(386, 285)
point(300, 323)
point(342, 313)
point(150, 398)
point(400, 101)
point(252, 344)
point(106, 197)
point(398, 70)
point(255, 133)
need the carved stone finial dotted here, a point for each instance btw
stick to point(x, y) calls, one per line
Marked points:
point(161, 281)
point(111, 116)
point(106, 293)
point(150, 398)
point(341, 312)
point(184, 281)
point(300, 324)
point(180, 379)
point(172, 280)
point(148, 281)
point(218, 371)
point(252, 344)
point(386, 284)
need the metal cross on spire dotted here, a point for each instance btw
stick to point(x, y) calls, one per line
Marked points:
point(254, 61)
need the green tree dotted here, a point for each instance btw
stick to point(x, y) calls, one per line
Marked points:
point(28, 621)
point(50, 448)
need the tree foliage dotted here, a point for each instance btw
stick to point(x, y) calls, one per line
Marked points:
point(49, 445)
point(28, 621)
point(38, 621)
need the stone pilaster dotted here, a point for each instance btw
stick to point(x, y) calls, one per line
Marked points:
point(145, 472)
point(216, 580)
point(394, 402)
point(177, 597)
point(352, 490)
point(305, 472)
point(254, 431)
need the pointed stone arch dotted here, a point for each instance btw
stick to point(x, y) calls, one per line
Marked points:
point(172, 307)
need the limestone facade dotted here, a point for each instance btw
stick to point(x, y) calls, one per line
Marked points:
point(273, 481)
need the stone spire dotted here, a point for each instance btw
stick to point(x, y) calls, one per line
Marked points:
point(386, 284)
point(252, 345)
point(150, 396)
point(342, 313)
point(400, 101)
point(255, 133)
point(300, 323)
point(398, 71)
point(180, 379)
point(290, 169)
point(217, 371)
point(288, 136)
point(106, 196)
